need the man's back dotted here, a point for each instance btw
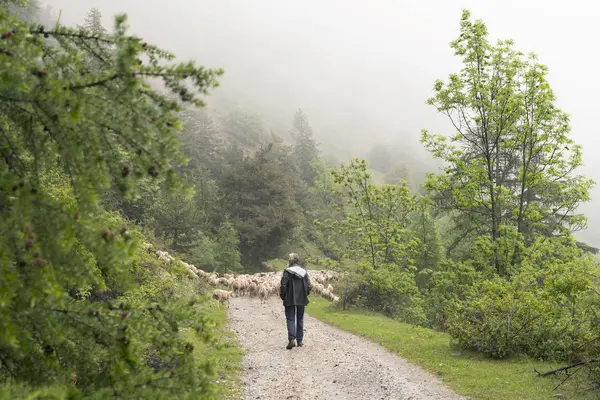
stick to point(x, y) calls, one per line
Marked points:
point(295, 286)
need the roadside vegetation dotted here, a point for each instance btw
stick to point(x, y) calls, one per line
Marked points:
point(467, 372)
point(106, 145)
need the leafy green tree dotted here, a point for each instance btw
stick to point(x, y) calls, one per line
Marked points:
point(511, 161)
point(378, 241)
point(544, 311)
point(449, 284)
point(431, 252)
point(73, 319)
point(378, 217)
point(305, 148)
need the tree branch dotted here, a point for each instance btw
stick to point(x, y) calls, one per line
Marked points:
point(566, 368)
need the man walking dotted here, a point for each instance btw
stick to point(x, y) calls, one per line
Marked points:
point(294, 290)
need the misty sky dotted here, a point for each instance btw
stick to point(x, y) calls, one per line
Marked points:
point(362, 70)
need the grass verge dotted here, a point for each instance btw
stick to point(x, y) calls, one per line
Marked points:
point(468, 373)
point(229, 355)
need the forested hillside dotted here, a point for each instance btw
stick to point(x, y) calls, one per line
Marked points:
point(105, 144)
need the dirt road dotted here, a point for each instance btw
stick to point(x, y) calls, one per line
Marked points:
point(333, 364)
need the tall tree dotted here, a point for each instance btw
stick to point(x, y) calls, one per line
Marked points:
point(259, 195)
point(178, 218)
point(423, 227)
point(227, 255)
point(376, 228)
point(98, 52)
point(510, 165)
point(65, 134)
point(93, 22)
point(203, 141)
point(305, 147)
point(377, 217)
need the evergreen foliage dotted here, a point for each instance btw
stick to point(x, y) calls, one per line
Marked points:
point(260, 199)
point(84, 312)
point(305, 148)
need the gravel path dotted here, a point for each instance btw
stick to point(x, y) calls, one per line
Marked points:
point(333, 364)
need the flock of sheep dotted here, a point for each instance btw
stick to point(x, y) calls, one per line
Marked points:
point(261, 285)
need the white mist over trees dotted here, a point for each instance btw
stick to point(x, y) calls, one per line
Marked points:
point(362, 71)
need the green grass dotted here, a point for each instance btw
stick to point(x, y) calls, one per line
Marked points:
point(469, 374)
point(229, 355)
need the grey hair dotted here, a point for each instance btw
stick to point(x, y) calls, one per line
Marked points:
point(293, 258)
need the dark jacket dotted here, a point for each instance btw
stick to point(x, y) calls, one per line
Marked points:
point(295, 286)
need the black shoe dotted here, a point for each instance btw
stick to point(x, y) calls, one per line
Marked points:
point(291, 344)
point(300, 344)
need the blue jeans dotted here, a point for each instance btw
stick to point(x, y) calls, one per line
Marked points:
point(295, 322)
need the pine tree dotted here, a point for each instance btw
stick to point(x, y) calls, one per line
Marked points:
point(100, 51)
point(74, 321)
point(227, 255)
point(93, 22)
point(259, 195)
point(305, 148)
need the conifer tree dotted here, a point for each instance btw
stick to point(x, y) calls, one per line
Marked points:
point(305, 147)
point(93, 22)
point(96, 51)
point(73, 321)
point(259, 195)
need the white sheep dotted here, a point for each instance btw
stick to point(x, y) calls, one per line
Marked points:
point(222, 296)
point(253, 289)
point(262, 284)
point(263, 293)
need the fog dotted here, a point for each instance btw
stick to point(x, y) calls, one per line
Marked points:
point(363, 70)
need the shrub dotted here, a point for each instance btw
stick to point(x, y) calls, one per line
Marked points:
point(545, 310)
point(388, 290)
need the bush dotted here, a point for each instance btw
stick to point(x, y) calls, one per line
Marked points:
point(452, 281)
point(545, 310)
point(388, 290)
